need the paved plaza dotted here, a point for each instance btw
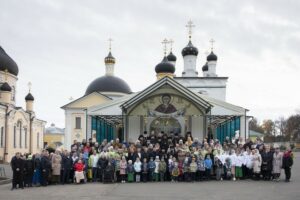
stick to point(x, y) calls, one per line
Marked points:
point(242, 190)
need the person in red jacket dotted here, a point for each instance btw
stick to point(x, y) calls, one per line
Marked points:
point(79, 167)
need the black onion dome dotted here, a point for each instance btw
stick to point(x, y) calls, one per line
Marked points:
point(108, 84)
point(7, 63)
point(109, 59)
point(171, 57)
point(165, 67)
point(212, 57)
point(205, 67)
point(29, 97)
point(5, 87)
point(189, 50)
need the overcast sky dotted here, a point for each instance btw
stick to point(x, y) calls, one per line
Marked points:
point(60, 45)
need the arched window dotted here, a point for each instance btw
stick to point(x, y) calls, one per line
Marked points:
point(38, 140)
point(2, 137)
point(13, 93)
point(25, 137)
point(15, 136)
point(20, 133)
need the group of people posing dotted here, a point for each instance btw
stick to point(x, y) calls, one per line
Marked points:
point(153, 157)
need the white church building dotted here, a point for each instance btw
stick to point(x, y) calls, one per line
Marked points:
point(193, 102)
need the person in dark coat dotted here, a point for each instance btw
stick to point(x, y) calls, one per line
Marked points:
point(267, 163)
point(287, 163)
point(102, 164)
point(28, 171)
point(17, 165)
point(67, 165)
point(45, 167)
point(36, 179)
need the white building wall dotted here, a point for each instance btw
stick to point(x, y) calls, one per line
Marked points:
point(197, 127)
point(189, 66)
point(134, 128)
point(213, 87)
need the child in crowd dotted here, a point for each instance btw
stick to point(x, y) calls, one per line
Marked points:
point(151, 166)
point(180, 168)
point(201, 168)
point(219, 168)
point(137, 169)
point(193, 169)
point(123, 168)
point(130, 171)
point(227, 169)
point(233, 158)
point(186, 169)
point(162, 168)
point(156, 170)
point(208, 166)
point(248, 163)
point(256, 159)
point(239, 161)
point(175, 170)
point(145, 170)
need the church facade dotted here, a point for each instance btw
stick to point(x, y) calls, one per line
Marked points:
point(173, 104)
point(20, 129)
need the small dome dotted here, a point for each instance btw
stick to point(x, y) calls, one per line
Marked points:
point(108, 84)
point(165, 67)
point(109, 59)
point(189, 50)
point(212, 57)
point(205, 67)
point(171, 57)
point(7, 63)
point(5, 87)
point(29, 97)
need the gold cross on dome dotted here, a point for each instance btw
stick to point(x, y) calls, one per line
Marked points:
point(190, 25)
point(171, 44)
point(29, 86)
point(109, 42)
point(212, 41)
point(165, 42)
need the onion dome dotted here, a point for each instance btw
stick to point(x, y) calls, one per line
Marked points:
point(7, 63)
point(189, 50)
point(29, 97)
point(171, 57)
point(108, 84)
point(165, 67)
point(5, 87)
point(109, 59)
point(212, 57)
point(205, 67)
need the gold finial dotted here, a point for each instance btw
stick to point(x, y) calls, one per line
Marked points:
point(171, 44)
point(212, 41)
point(110, 41)
point(5, 74)
point(29, 86)
point(165, 42)
point(190, 25)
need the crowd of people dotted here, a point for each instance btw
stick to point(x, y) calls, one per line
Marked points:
point(153, 158)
